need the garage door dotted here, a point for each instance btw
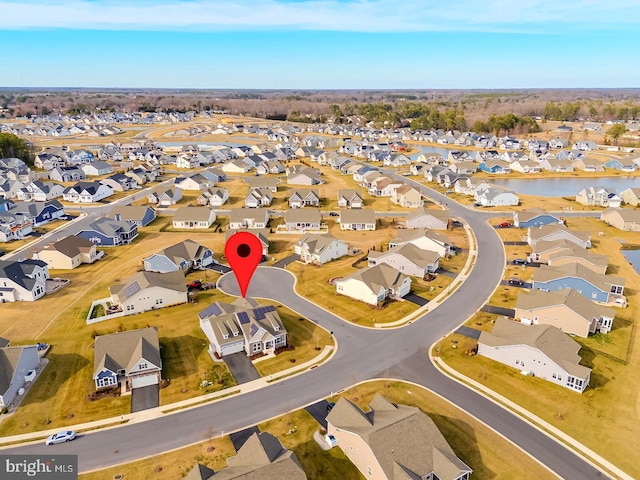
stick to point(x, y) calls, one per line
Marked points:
point(144, 380)
point(230, 348)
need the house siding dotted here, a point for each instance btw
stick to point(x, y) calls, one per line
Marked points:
point(582, 286)
point(29, 360)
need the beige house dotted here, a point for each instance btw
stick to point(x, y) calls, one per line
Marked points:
point(349, 198)
point(622, 219)
point(302, 220)
point(549, 233)
point(146, 291)
point(248, 218)
point(598, 197)
point(393, 442)
point(425, 239)
point(242, 326)
point(407, 259)
point(577, 255)
point(631, 196)
point(320, 249)
point(565, 309)
point(129, 359)
point(194, 217)
point(261, 233)
point(68, 253)
point(270, 183)
point(261, 457)
point(357, 219)
point(407, 196)
point(424, 217)
point(374, 285)
point(539, 350)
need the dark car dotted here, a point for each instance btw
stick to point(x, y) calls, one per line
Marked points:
point(520, 261)
point(516, 281)
point(333, 214)
point(330, 406)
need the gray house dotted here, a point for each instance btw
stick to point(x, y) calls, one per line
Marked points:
point(181, 256)
point(17, 366)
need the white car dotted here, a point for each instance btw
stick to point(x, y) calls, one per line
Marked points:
point(61, 437)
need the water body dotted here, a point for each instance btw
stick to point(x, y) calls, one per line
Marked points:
point(564, 187)
point(428, 149)
point(633, 257)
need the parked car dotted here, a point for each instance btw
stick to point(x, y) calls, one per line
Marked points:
point(505, 225)
point(333, 214)
point(516, 281)
point(520, 261)
point(330, 406)
point(195, 285)
point(447, 192)
point(61, 437)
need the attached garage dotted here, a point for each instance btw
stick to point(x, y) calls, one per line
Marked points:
point(229, 348)
point(140, 381)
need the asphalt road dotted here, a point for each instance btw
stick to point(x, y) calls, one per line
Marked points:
point(362, 354)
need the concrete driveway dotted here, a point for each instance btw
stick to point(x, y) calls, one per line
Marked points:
point(144, 398)
point(241, 367)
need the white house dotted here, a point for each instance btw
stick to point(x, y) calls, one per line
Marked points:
point(146, 291)
point(194, 217)
point(374, 285)
point(320, 249)
point(407, 259)
point(22, 280)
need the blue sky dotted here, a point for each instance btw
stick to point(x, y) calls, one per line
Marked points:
point(392, 44)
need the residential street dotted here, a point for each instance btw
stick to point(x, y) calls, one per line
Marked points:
point(361, 354)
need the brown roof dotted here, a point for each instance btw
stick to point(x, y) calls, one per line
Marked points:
point(71, 246)
point(402, 438)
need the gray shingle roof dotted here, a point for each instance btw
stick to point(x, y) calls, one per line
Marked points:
point(124, 350)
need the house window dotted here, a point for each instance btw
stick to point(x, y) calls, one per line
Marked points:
point(143, 366)
point(369, 471)
point(256, 347)
point(594, 295)
point(159, 301)
point(106, 381)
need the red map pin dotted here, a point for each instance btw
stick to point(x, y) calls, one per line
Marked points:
point(244, 252)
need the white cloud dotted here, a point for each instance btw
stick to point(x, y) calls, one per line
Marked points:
point(535, 16)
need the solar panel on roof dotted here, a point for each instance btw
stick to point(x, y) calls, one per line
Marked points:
point(243, 317)
point(253, 329)
point(212, 309)
point(131, 289)
point(259, 312)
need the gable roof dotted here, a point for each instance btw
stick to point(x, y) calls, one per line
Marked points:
point(187, 250)
point(20, 271)
point(537, 299)
point(379, 276)
point(70, 246)
point(546, 230)
point(402, 438)
point(123, 350)
point(550, 340)
point(192, 214)
point(412, 253)
point(141, 280)
point(9, 358)
point(358, 215)
point(442, 215)
point(546, 273)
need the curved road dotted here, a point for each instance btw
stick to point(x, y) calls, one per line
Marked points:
point(362, 354)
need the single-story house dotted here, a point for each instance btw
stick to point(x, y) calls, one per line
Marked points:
point(138, 215)
point(146, 291)
point(129, 359)
point(258, 197)
point(393, 442)
point(598, 287)
point(320, 249)
point(564, 252)
point(165, 198)
point(374, 285)
point(407, 259)
point(97, 168)
point(551, 232)
point(357, 219)
point(425, 239)
point(68, 253)
point(18, 366)
point(193, 217)
point(541, 350)
point(496, 197)
point(270, 183)
point(194, 183)
point(242, 326)
point(303, 220)
point(424, 217)
point(261, 233)
point(534, 217)
point(181, 256)
point(565, 309)
point(248, 218)
point(622, 219)
point(631, 196)
point(261, 456)
point(622, 164)
point(303, 197)
point(349, 198)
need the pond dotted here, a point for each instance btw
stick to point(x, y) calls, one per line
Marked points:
point(564, 187)
point(633, 257)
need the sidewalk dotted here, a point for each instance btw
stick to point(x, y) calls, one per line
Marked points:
point(145, 415)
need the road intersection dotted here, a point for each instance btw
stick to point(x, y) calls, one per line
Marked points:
point(361, 354)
